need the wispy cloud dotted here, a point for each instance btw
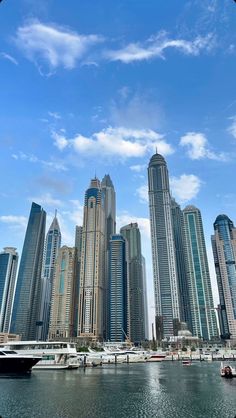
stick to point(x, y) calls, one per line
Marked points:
point(232, 127)
point(120, 142)
point(13, 220)
point(138, 168)
point(8, 57)
point(198, 147)
point(54, 115)
point(47, 199)
point(54, 165)
point(53, 45)
point(156, 46)
point(186, 187)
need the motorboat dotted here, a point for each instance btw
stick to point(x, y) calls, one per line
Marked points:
point(156, 356)
point(54, 354)
point(13, 363)
point(227, 371)
point(186, 362)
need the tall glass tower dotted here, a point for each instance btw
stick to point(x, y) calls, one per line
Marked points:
point(118, 291)
point(135, 285)
point(180, 252)
point(51, 248)
point(92, 269)
point(200, 292)
point(26, 309)
point(166, 290)
point(8, 267)
point(109, 197)
point(224, 251)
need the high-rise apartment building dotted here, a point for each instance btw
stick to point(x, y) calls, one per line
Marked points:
point(135, 288)
point(145, 298)
point(200, 292)
point(8, 267)
point(92, 269)
point(118, 290)
point(224, 251)
point(26, 309)
point(166, 290)
point(109, 196)
point(51, 248)
point(63, 321)
point(180, 253)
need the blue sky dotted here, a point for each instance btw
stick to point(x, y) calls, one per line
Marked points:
point(94, 87)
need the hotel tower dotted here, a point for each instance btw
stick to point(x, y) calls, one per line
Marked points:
point(92, 268)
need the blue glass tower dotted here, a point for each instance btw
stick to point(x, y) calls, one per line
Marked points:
point(135, 283)
point(118, 301)
point(224, 251)
point(26, 309)
point(8, 266)
point(200, 292)
point(52, 245)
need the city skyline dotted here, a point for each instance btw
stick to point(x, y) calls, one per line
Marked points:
point(107, 104)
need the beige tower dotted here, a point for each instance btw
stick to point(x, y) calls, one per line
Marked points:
point(91, 298)
point(62, 316)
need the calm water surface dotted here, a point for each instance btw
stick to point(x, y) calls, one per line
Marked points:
point(165, 390)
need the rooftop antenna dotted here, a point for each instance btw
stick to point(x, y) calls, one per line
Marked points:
point(55, 213)
point(156, 150)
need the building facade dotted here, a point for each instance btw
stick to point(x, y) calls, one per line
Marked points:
point(180, 252)
point(8, 268)
point(26, 309)
point(92, 270)
point(135, 286)
point(51, 248)
point(109, 196)
point(200, 292)
point(146, 325)
point(166, 291)
point(118, 290)
point(63, 319)
point(224, 251)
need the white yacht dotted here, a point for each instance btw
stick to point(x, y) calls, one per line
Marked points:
point(55, 355)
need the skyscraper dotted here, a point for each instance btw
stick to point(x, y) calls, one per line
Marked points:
point(51, 248)
point(224, 251)
point(166, 289)
point(180, 252)
point(135, 285)
point(8, 267)
point(200, 292)
point(26, 309)
point(118, 290)
point(146, 325)
point(109, 197)
point(63, 319)
point(91, 298)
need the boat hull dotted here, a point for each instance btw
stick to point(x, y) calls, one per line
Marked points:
point(17, 364)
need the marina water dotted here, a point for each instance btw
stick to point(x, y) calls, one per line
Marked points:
point(165, 390)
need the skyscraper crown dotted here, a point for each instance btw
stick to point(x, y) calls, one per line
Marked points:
point(157, 159)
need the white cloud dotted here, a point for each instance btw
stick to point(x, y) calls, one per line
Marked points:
point(142, 192)
point(16, 221)
point(156, 45)
point(54, 115)
point(232, 127)
point(138, 167)
point(60, 141)
point(183, 188)
point(198, 147)
point(186, 187)
point(120, 142)
point(56, 46)
point(9, 58)
point(46, 200)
